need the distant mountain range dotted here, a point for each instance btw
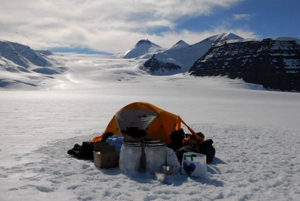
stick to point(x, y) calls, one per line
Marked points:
point(273, 63)
point(180, 57)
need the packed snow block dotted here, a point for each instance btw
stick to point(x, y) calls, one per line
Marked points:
point(106, 157)
point(194, 164)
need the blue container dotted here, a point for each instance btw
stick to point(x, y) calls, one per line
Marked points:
point(117, 141)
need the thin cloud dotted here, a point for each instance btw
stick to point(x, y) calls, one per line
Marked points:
point(106, 25)
point(242, 16)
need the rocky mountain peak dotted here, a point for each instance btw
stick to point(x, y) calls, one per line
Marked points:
point(143, 42)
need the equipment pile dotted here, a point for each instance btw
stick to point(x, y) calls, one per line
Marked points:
point(151, 140)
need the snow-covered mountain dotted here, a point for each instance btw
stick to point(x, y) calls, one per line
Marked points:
point(22, 55)
point(273, 63)
point(178, 45)
point(180, 57)
point(8, 65)
point(143, 49)
point(21, 65)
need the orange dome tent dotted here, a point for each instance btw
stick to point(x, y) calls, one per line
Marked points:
point(157, 122)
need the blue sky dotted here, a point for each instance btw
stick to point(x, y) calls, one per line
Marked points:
point(114, 26)
point(265, 18)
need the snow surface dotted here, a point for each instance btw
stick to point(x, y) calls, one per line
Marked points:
point(255, 133)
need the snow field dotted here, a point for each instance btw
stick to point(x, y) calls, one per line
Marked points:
point(255, 133)
point(251, 164)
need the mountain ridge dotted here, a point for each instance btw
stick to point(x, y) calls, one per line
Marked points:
point(179, 60)
point(271, 63)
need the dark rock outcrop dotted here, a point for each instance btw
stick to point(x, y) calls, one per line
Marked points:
point(153, 65)
point(272, 63)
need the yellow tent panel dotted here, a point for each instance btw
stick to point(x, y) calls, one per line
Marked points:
point(157, 122)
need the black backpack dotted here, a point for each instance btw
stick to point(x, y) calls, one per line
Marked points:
point(83, 152)
point(176, 138)
point(207, 149)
